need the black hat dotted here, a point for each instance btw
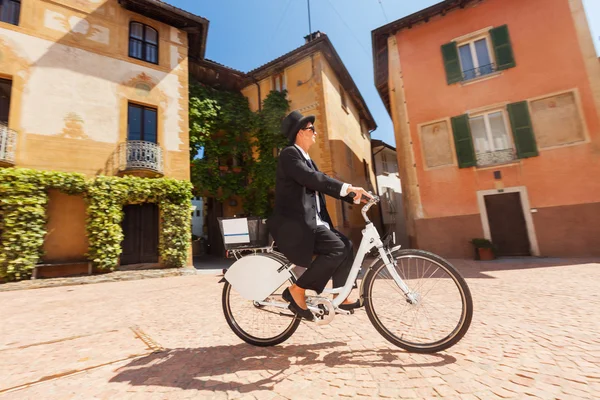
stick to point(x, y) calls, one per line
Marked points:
point(293, 123)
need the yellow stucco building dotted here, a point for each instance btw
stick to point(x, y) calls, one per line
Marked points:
point(318, 83)
point(98, 87)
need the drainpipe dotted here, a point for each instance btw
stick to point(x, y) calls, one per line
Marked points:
point(258, 87)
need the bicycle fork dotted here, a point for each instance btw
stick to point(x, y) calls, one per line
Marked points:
point(391, 264)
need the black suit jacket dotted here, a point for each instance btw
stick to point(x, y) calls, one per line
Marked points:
point(293, 223)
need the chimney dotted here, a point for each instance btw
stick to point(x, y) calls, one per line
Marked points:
point(313, 36)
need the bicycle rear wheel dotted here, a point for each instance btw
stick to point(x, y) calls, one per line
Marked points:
point(443, 310)
point(256, 324)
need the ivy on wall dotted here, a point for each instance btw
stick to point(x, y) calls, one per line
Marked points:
point(240, 147)
point(106, 197)
point(23, 200)
point(219, 124)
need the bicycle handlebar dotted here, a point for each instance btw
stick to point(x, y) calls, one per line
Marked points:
point(367, 206)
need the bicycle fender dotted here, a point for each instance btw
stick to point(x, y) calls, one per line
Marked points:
point(255, 277)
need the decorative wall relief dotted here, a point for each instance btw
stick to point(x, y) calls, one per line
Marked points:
point(436, 144)
point(557, 120)
point(73, 127)
point(80, 27)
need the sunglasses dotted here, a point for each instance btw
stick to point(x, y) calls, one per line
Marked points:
point(312, 128)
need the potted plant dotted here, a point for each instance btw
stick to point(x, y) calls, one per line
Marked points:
point(484, 249)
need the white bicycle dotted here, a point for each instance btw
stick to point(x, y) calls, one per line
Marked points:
point(415, 299)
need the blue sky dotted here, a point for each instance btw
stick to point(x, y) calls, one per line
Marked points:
point(246, 34)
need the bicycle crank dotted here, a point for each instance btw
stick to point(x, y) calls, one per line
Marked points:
point(326, 311)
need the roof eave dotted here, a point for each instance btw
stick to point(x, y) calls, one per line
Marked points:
point(379, 36)
point(194, 25)
point(323, 44)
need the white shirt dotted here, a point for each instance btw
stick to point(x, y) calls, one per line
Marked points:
point(343, 192)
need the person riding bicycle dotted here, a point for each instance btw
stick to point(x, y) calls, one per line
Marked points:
point(300, 224)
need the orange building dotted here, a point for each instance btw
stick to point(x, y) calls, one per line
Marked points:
point(495, 105)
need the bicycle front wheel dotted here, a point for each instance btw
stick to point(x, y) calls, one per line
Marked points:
point(442, 309)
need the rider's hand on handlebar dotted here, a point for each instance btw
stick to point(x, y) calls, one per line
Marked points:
point(358, 194)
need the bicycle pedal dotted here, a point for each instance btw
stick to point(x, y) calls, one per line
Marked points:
point(344, 312)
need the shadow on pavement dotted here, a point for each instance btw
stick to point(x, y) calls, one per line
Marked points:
point(237, 365)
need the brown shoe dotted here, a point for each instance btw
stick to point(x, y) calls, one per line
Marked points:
point(295, 308)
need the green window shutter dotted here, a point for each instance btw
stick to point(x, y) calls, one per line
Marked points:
point(451, 63)
point(502, 48)
point(522, 130)
point(463, 141)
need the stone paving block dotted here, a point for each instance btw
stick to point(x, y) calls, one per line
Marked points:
point(523, 343)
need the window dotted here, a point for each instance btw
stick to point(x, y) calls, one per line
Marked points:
point(141, 123)
point(10, 11)
point(278, 82)
point(197, 213)
point(489, 132)
point(143, 42)
point(384, 163)
point(478, 54)
point(5, 91)
point(390, 197)
point(491, 139)
point(488, 138)
point(475, 58)
point(343, 98)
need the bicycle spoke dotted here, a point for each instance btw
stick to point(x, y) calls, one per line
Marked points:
point(433, 318)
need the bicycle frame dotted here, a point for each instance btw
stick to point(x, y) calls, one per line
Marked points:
point(369, 240)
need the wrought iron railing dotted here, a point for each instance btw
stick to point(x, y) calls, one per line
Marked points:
point(479, 71)
point(138, 154)
point(8, 144)
point(496, 157)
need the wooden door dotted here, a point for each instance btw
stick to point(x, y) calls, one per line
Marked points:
point(507, 224)
point(140, 227)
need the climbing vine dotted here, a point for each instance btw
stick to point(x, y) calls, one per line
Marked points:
point(23, 200)
point(269, 140)
point(23, 217)
point(240, 147)
point(106, 197)
point(220, 123)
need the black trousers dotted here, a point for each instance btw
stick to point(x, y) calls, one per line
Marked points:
point(335, 256)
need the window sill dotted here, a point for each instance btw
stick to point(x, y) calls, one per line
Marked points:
point(143, 60)
point(481, 78)
point(8, 23)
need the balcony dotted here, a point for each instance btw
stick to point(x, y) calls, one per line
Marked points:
point(479, 72)
point(140, 158)
point(8, 145)
point(496, 157)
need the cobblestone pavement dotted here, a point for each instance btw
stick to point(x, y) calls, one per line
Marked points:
point(534, 335)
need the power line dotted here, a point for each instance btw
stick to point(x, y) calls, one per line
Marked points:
point(350, 29)
point(281, 18)
point(383, 10)
point(274, 35)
